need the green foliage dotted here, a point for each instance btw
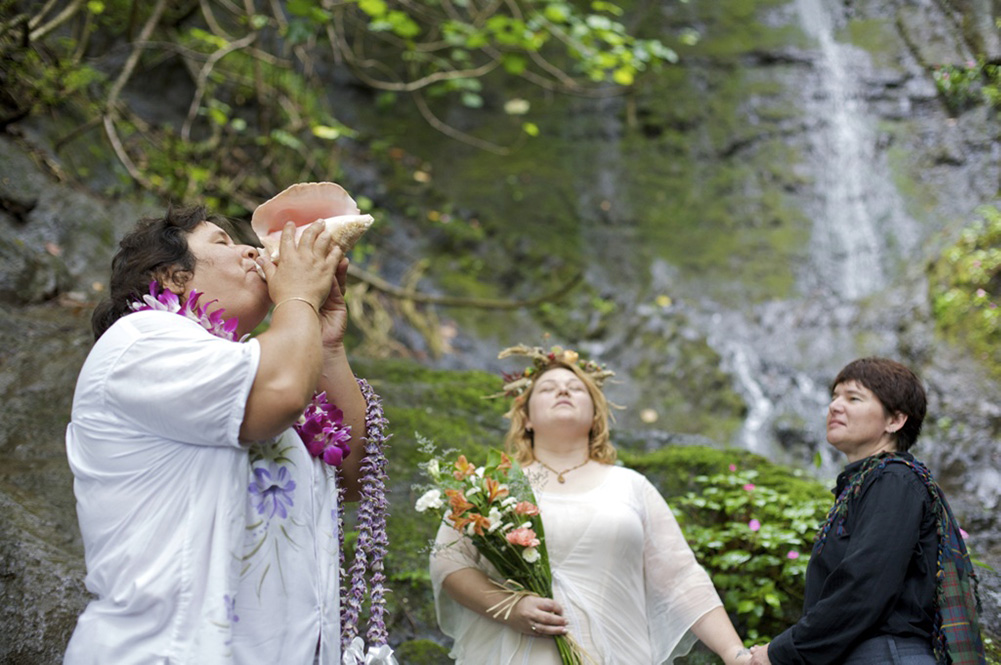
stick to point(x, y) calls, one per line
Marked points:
point(963, 86)
point(422, 652)
point(755, 541)
point(251, 83)
point(965, 288)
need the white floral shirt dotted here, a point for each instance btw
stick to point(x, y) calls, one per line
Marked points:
point(198, 549)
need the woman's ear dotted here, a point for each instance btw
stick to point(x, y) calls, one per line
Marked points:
point(896, 421)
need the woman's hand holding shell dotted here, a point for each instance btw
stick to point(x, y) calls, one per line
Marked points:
point(307, 269)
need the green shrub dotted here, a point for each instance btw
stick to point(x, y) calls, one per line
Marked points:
point(964, 86)
point(755, 542)
point(965, 283)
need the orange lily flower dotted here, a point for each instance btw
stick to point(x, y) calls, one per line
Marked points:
point(458, 502)
point(463, 469)
point(479, 523)
point(494, 489)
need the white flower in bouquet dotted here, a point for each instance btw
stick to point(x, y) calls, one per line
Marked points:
point(430, 499)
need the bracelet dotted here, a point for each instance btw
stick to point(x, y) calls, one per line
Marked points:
point(311, 305)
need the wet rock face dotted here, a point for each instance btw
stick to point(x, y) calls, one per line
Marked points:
point(41, 556)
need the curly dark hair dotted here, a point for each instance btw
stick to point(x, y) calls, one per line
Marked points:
point(154, 250)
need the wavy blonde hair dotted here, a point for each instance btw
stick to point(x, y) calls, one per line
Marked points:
point(519, 441)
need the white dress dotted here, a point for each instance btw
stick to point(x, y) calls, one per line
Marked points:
point(199, 550)
point(628, 582)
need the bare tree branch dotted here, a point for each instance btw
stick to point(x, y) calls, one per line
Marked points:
point(211, 21)
point(454, 133)
point(61, 17)
point(40, 16)
point(394, 291)
point(110, 109)
point(203, 77)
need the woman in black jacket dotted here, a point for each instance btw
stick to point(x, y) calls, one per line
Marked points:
point(889, 580)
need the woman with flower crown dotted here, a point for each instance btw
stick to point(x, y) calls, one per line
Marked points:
point(628, 589)
point(210, 525)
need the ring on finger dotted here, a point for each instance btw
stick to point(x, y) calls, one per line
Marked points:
point(534, 628)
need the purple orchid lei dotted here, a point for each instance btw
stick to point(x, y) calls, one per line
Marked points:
point(370, 548)
point(322, 430)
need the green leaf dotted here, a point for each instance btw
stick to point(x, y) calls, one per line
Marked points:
point(624, 76)
point(282, 137)
point(374, 8)
point(217, 116)
point(557, 12)
point(610, 7)
point(326, 132)
point(514, 63)
point(472, 100)
point(403, 25)
point(530, 128)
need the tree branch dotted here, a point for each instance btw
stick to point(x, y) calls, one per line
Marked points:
point(60, 18)
point(203, 77)
point(379, 284)
point(454, 133)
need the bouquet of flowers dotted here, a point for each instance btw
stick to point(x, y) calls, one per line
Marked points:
point(494, 506)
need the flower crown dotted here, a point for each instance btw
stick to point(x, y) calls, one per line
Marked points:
point(515, 385)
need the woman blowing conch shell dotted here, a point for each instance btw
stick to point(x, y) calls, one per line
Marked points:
point(305, 203)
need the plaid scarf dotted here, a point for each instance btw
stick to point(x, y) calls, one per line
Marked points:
point(956, 636)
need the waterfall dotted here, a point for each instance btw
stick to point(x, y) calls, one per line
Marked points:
point(860, 235)
point(858, 210)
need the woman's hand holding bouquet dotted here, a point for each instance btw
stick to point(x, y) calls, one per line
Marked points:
point(494, 506)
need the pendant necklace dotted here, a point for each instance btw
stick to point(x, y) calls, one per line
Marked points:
point(560, 474)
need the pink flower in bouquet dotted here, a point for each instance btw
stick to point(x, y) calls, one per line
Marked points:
point(522, 536)
point(526, 508)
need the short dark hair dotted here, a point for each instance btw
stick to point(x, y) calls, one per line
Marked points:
point(152, 250)
point(896, 387)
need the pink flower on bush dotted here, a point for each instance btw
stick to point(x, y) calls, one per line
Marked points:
point(733, 467)
point(749, 487)
point(793, 554)
point(522, 536)
point(754, 525)
point(526, 508)
point(963, 533)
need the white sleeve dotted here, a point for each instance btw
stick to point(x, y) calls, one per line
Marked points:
point(178, 381)
point(678, 590)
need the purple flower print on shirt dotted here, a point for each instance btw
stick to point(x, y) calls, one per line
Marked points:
point(231, 614)
point(273, 489)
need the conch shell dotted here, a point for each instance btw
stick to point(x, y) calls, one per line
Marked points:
point(305, 203)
